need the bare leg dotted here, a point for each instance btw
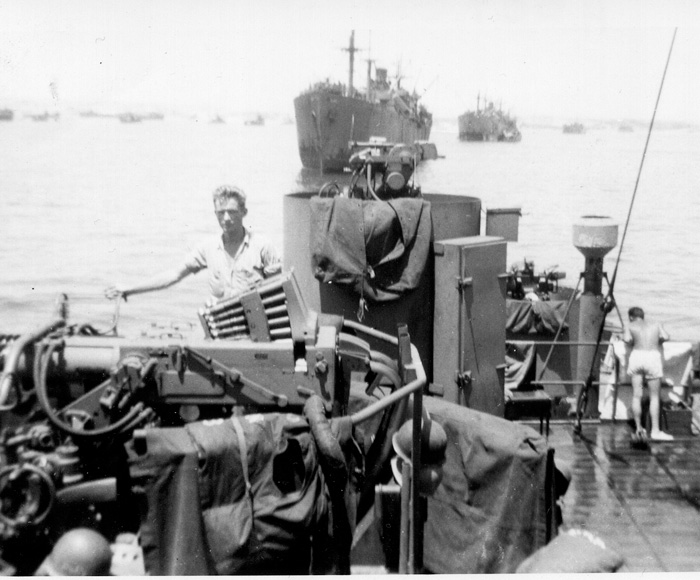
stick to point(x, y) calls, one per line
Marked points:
point(655, 411)
point(654, 397)
point(637, 385)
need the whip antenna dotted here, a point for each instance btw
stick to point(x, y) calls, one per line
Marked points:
point(609, 302)
point(641, 164)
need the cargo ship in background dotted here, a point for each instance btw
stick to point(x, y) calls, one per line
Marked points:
point(574, 128)
point(330, 115)
point(488, 124)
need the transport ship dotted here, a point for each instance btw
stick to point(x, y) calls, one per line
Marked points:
point(488, 124)
point(330, 115)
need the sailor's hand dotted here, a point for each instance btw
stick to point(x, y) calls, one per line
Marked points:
point(115, 292)
point(608, 304)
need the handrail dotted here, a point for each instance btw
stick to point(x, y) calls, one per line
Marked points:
point(559, 343)
point(419, 382)
point(564, 382)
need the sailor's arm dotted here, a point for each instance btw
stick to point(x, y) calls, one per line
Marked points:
point(271, 260)
point(627, 336)
point(161, 280)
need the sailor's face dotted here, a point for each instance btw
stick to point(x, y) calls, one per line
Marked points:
point(229, 214)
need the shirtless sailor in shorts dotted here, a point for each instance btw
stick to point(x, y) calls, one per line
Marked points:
point(646, 362)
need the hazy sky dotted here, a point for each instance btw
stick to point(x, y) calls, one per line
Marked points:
point(570, 59)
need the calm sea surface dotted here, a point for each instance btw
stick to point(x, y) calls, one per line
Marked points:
point(85, 202)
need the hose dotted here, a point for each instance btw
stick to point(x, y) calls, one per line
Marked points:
point(335, 470)
point(329, 189)
point(328, 445)
point(402, 393)
point(386, 371)
point(9, 375)
point(41, 364)
point(378, 356)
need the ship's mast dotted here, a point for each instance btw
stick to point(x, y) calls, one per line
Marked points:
point(370, 88)
point(351, 50)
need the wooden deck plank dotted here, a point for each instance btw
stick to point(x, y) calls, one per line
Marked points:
point(644, 504)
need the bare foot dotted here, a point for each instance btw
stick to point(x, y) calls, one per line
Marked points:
point(661, 436)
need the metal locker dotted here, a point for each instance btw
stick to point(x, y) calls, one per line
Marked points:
point(470, 321)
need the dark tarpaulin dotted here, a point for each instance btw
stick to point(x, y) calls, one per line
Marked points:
point(496, 503)
point(380, 248)
point(198, 518)
point(520, 358)
point(539, 317)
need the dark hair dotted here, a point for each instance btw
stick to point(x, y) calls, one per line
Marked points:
point(635, 312)
point(231, 192)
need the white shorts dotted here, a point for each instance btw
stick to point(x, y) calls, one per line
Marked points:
point(646, 363)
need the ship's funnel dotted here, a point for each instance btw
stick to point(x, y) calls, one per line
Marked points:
point(595, 235)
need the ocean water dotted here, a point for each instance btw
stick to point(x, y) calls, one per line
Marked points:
point(85, 202)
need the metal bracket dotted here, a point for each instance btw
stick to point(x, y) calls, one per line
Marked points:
point(464, 282)
point(235, 377)
point(463, 379)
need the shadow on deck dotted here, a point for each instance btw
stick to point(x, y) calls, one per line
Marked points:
point(643, 503)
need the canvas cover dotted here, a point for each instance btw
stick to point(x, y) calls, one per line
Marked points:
point(496, 504)
point(378, 248)
point(535, 317)
point(200, 517)
point(520, 359)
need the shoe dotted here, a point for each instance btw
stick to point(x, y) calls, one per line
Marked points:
point(661, 436)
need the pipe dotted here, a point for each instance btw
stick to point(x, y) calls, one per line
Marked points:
point(378, 356)
point(405, 534)
point(371, 332)
point(386, 371)
point(15, 351)
point(418, 383)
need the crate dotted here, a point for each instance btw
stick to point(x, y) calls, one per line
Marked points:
point(676, 421)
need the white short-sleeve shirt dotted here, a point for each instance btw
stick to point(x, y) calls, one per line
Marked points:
point(255, 260)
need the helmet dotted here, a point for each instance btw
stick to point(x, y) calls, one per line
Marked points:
point(433, 442)
point(78, 552)
point(429, 476)
point(433, 445)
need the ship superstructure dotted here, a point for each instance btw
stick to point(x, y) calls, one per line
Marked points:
point(488, 123)
point(331, 115)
